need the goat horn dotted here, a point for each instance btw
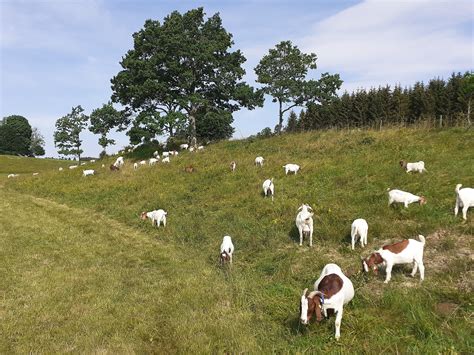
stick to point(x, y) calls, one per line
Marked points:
point(304, 292)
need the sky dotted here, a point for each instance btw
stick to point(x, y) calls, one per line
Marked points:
point(57, 54)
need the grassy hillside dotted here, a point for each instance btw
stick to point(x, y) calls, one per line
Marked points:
point(11, 164)
point(86, 273)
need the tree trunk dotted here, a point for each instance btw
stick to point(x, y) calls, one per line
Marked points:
point(192, 119)
point(280, 119)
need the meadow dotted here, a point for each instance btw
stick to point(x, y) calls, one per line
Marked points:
point(82, 273)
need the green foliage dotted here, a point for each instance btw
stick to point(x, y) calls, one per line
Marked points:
point(214, 125)
point(68, 128)
point(15, 135)
point(283, 71)
point(292, 125)
point(369, 108)
point(182, 65)
point(103, 120)
point(37, 143)
point(76, 254)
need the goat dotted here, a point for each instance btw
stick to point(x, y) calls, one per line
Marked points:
point(404, 252)
point(191, 149)
point(293, 168)
point(464, 199)
point(152, 161)
point(114, 168)
point(135, 166)
point(165, 160)
point(88, 172)
point(12, 176)
point(143, 162)
point(406, 198)
point(304, 223)
point(156, 217)
point(174, 152)
point(165, 154)
point(359, 228)
point(83, 163)
point(155, 154)
point(268, 187)
point(227, 249)
point(60, 169)
point(103, 165)
point(417, 167)
point(73, 167)
point(189, 169)
point(232, 166)
point(259, 161)
point(92, 161)
point(184, 146)
point(201, 147)
point(35, 174)
point(119, 162)
point(332, 290)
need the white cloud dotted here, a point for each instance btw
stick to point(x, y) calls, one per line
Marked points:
point(378, 42)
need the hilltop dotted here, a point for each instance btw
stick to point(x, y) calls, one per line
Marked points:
point(83, 271)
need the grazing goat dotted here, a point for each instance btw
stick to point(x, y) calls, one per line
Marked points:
point(227, 249)
point(88, 172)
point(174, 152)
point(201, 147)
point(119, 162)
point(152, 161)
point(143, 162)
point(404, 252)
point(156, 154)
point(406, 198)
point(417, 167)
point(83, 164)
point(359, 228)
point(259, 161)
point(232, 166)
point(60, 169)
point(135, 166)
point(156, 217)
point(268, 187)
point(12, 176)
point(103, 165)
point(92, 160)
point(73, 167)
point(332, 290)
point(464, 199)
point(191, 149)
point(189, 169)
point(165, 160)
point(304, 223)
point(114, 168)
point(293, 168)
point(35, 174)
point(165, 154)
point(184, 146)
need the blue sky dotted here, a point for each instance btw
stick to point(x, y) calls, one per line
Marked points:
point(59, 54)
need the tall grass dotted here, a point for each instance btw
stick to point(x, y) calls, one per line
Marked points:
point(138, 288)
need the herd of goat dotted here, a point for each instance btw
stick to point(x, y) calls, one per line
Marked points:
point(332, 290)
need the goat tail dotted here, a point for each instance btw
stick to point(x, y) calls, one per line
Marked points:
point(422, 239)
point(458, 186)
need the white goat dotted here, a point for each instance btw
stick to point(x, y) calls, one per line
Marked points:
point(359, 228)
point(135, 166)
point(406, 198)
point(152, 161)
point(227, 249)
point(119, 162)
point(73, 167)
point(88, 172)
point(165, 160)
point(157, 217)
point(201, 147)
point(92, 160)
point(232, 166)
point(191, 149)
point(35, 174)
point(143, 162)
point(12, 176)
point(417, 167)
point(155, 154)
point(404, 252)
point(60, 169)
point(464, 199)
point(103, 165)
point(184, 146)
point(332, 290)
point(83, 163)
point(304, 223)
point(165, 154)
point(174, 152)
point(268, 187)
point(259, 161)
point(293, 168)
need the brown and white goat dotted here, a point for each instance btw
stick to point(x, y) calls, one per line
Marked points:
point(404, 252)
point(114, 168)
point(227, 249)
point(332, 290)
point(232, 166)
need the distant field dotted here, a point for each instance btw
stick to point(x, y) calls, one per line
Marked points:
point(80, 272)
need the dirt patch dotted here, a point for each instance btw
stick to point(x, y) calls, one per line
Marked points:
point(446, 308)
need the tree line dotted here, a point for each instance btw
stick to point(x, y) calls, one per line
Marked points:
point(17, 137)
point(442, 102)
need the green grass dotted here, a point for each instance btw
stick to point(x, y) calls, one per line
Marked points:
point(82, 273)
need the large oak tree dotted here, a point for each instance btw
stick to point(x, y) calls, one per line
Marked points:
point(183, 65)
